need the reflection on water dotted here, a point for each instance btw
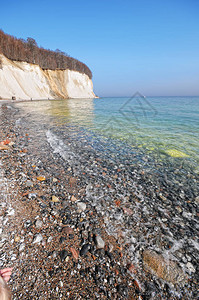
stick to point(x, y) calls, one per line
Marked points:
point(79, 111)
point(73, 110)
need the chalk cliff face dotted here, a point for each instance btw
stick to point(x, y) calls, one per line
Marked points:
point(25, 81)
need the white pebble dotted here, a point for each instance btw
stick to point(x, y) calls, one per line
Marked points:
point(21, 247)
point(99, 242)
point(38, 238)
point(11, 211)
point(49, 239)
point(38, 224)
point(190, 267)
point(81, 206)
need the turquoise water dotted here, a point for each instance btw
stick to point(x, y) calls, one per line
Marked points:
point(167, 126)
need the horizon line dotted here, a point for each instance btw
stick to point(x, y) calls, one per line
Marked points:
point(150, 96)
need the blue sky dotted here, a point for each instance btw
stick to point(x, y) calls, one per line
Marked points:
point(150, 46)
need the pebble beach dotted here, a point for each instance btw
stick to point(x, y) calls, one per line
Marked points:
point(76, 224)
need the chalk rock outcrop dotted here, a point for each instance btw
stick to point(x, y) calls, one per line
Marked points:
point(25, 81)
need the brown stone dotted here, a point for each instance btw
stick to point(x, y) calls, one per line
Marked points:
point(67, 230)
point(55, 199)
point(165, 269)
point(73, 198)
point(72, 181)
point(117, 203)
point(74, 252)
point(137, 285)
point(132, 268)
point(41, 178)
point(127, 211)
point(4, 147)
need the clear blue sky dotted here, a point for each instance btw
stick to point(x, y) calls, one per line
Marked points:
point(150, 46)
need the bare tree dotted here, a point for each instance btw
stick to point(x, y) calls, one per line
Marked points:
point(28, 50)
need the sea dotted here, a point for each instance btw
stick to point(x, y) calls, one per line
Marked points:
point(138, 158)
point(161, 126)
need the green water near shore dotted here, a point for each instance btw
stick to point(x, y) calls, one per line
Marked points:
point(166, 126)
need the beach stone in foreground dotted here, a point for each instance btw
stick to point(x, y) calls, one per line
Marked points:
point(165, 269)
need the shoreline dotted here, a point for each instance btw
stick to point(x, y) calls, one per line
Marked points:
point(41, 245)
point(65, 179)
point(31, 100)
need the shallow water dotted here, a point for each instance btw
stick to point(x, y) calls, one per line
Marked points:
point(166, 125)
point(142, 152)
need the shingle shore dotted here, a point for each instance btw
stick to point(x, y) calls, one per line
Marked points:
point(58, 250)
point(69, 203)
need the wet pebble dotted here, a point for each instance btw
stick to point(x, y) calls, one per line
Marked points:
point(84, 249)
point(122, 290)
point(63, 254)
point(55, 199)
point(190, 267)
point(21, 247)
point(29, 183)
point(49, 240)
point(38, 224)
point(37, 239)
point(81, 206)
point(99, 242)
point(197, 199)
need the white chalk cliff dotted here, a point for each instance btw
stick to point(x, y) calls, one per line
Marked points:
point(25, 81)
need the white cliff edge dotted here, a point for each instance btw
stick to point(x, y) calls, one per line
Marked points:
point(28, 81)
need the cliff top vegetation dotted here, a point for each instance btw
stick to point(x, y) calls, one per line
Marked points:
point(28, 51)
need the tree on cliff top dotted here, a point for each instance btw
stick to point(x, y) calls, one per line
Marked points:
point(28, 51)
